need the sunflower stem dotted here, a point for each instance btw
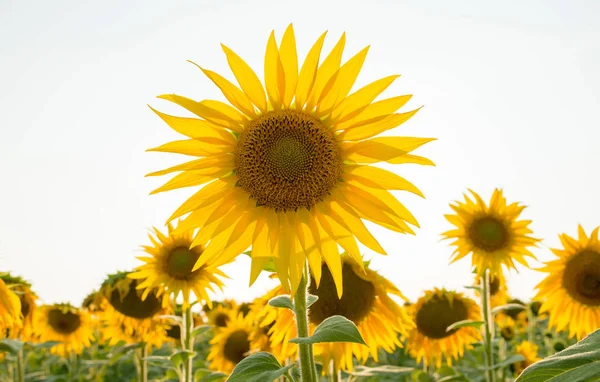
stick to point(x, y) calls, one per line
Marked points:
point(187, 342)
point(335, 374)
point(142, 364)
point(308, 372)
point(530, 325)
point(20, 366)
point(488, 327)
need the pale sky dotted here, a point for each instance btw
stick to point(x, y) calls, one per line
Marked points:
point(511, 90)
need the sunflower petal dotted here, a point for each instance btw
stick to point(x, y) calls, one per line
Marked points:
point(274, 75)
point(289, 61)
point(247, 79)
point(372, 129)
point(216, 112)
point(375, 177)
point(328, 68)
point(308, 73)
point(381, 149)
point(373, 113)
point(358, 101)
point(221, 160)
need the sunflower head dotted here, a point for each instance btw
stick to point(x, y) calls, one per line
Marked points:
point(119, 328)
point(92, 301)
point(220, 316)
point(27, 299)
point(231, 344)
point(65, 324)
point(492, 233)
point(288, 168)
point(573, 285)
point(125, 296)
point(498, 289)
point(10, 310)
point(433, 313)
point(171, 266)
point(528, 350)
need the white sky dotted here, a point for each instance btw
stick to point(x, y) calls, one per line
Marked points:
point(511, 89)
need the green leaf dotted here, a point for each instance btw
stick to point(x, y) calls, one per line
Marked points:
point(363, 371)
point(157, 359)
point(177, 319)
point(333, 329)
point(506, 362)
point(453, 378)
point(206, 375)
point(580, 362)
point(474, 287)
point(501, 308)
point(258, 367)
point(200, 330)
point(282, 301)
point(46, 345)
point(465, 324)
point(10, 346)
point(311, 300)
point(180, 356)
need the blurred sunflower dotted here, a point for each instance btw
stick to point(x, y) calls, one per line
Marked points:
point(231, 344)
point(430, 342)
point(498, 289)
point(27, 299)
point(572, 288)
point(171, 264)
point(289, 169)
point(506, 326)
point(126, 312)
point(10, 310)
point(528, 350)
point(220, 316)
point(174, 331)
point(65, 324)
point(493, 234)
point(367, 303)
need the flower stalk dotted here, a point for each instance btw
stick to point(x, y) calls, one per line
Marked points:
point(142, 363)
point(20, 366)
point(187, 343)
point(488, 326)
point(308, 372)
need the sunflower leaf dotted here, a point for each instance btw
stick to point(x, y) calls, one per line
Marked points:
point(333, 329)
point(579, 362)
point(364, 371)
point(206, 375)
point(501, 308)
point(311, 300)
point(464, 324)
point(508, 361)
point(258, 367)
point(180, 356)
point(177, 319)
point(282, 301)
point(200, 330)
point(10, 346)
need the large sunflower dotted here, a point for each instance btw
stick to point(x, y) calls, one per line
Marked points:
point(10, 310)
point(65, 324)
point(27, 299)
point(232, 343)
point(493, 234)
point(572, 288)
point(289, 169)
point(171, 266)
point(124, 309)
point(367, 302)
point(430, 342)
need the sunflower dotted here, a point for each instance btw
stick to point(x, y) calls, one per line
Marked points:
point(506, 326)
point(174, 331)
point(125, 311)
point(65, 324)
point(493, 234)
point(367, 303)
point(232, 343)
point(10, 310)
point(287, 170)
point(498, 289)
point(430, 342)
point(220, 316)
point(27, 299)
point(528, 350)
point(170, 266)
point(572, 288)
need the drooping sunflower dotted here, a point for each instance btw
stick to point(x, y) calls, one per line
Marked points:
point(171, 266)
point(528, 350)
point(65, 324)
point(498, 289)
point(287, 170)
point(572, 288)
point(10, 310)
point(430, 342)
point(492, 233)
point(231, 344)
point(27, 299)
point(367, 302)
point(126, 312)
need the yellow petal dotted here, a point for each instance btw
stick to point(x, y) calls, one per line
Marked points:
point(192, 178)
point(356, 102)
point(308, 73)
point(192, 147)
point(247, 79)
point(373, 113)
point(274, 76)
point(240, 239)
point(206, 195)
point(329, 251)
point(256, 267)
point(289, 60)
point(231, 92)
point(375, 177)
point(392, 205)
point(382, 149)
point(328, 68)
point(339, 233)
point(221, 160)
point(220, 116)
point(372, 129)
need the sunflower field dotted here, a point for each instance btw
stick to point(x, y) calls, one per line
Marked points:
point(289, 171)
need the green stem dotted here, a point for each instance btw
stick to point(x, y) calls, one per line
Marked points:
point(530, 325)
point(335, 374)
point(142, 364)
point(308, 371)
point(502, 355)
point(20, 366)
point(72, 365)
point(187, 342)
point(488, 327)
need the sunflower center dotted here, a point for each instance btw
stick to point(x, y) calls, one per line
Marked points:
point(356, 302)
point(180, 262)
point(236, 346)
point(287, 160)
point(63, 322)
point(489, 234)
point(25, 307)
point(244, 309)
point(581, 278)
point(437, 314)
point(221, 320)
point(494, 285)
point(132, 305)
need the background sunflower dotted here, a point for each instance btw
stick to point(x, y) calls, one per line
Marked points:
point(66, 324)
point(10, 310)
point(28, 300)
point(232, 343)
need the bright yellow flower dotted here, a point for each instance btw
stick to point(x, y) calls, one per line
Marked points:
point(498, 289)
point(27, 299)
point(572, 288)
point(287, 170)
point(220, 316)
point(63, 323)
point(367, 302)
point(232, 343)
point(493, 234)
point(10, 310)
point(170, 266)
point(530, 352)
point(117, 327)
point(433, 313)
